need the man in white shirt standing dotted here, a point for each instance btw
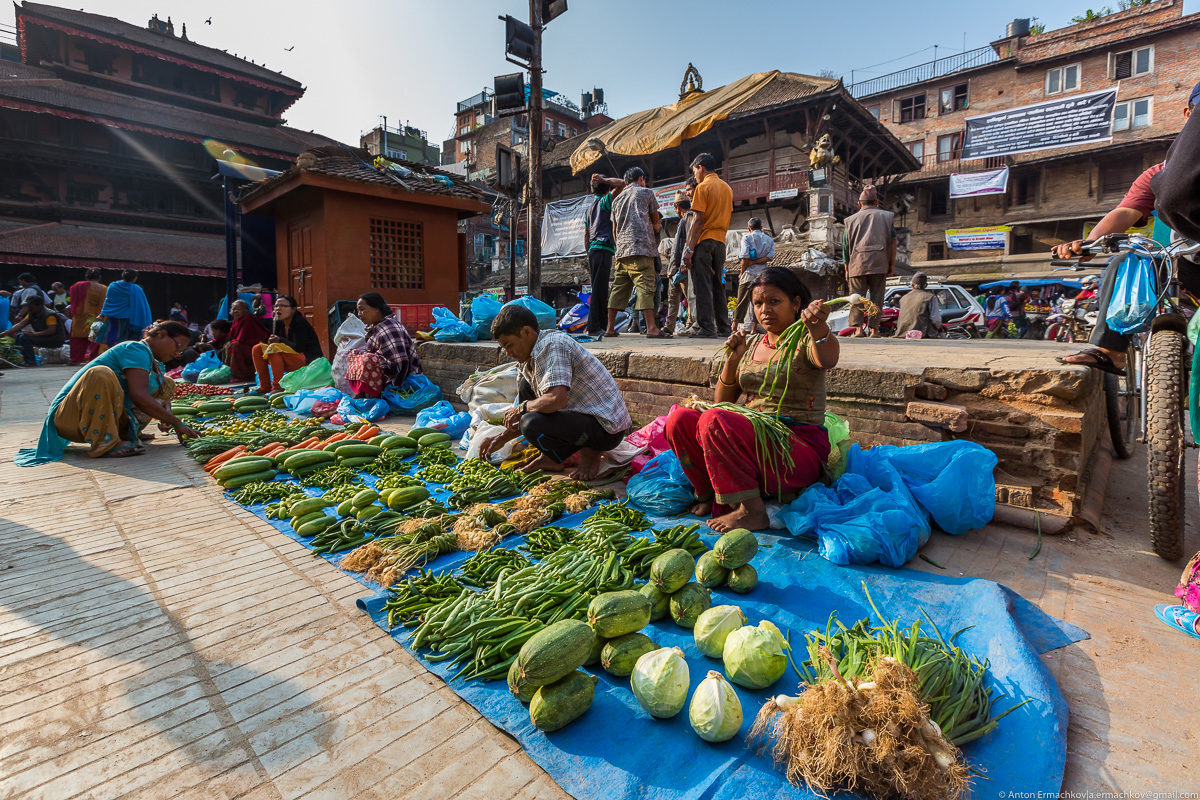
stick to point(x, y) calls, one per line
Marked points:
point(757, 251)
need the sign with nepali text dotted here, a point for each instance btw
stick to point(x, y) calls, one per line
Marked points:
point(974, 184)
point(991, 238)
point(1062, 122)
point(666, 199)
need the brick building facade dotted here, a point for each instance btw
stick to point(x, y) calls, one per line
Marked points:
point(1148, 54)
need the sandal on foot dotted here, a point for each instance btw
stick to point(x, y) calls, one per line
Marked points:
point(1178, 617)
point(1101, 361)
point(122, 451)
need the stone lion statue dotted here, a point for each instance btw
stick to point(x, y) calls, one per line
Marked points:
point(822, 153)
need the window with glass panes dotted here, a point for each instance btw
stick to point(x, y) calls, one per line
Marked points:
point(1132, 114)
point(1062, 79)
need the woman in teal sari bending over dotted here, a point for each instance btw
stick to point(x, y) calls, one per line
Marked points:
point(109, 401)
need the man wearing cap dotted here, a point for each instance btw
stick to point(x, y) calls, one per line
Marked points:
point(1108, 347)
point(919, 310)
point(869, 247)
point(757, 251)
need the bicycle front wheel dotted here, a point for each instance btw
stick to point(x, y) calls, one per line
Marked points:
point(1165, 404)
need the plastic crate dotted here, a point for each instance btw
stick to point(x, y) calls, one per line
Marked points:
point(416, 316)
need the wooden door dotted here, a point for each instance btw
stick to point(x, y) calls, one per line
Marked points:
point(300, 271)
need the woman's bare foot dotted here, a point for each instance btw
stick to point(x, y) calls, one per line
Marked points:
point(543, 463)
point(589, 465)
point(701, 508)
point(751, 515)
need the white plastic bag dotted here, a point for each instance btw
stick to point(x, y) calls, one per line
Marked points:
point(352, 335)
point(483, 431)
point(491, 415)
point(497, 385)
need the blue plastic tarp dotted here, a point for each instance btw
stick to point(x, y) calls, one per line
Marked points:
point(616, 750)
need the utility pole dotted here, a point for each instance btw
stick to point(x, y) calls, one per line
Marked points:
point(534, 225)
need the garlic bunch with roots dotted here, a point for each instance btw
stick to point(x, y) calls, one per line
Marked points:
point(873, 736)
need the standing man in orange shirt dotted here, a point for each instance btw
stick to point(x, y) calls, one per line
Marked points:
point(704, 254)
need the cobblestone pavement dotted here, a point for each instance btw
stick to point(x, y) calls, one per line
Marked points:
point(156, 641)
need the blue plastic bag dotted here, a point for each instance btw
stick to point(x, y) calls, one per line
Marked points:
point(661, 487)
point(209, 360)
point(483, 310)
point(546, 317)
point(868, 514)
point(417, 392)
point(1133, 299)
point(953, 481)
point(442, 417)
point(363, 409)
point(449, 328)
point(302, 401)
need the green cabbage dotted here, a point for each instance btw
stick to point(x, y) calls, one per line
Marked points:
point(754, 656)
point(716, 712)
point(714, 625)
point(660, 681)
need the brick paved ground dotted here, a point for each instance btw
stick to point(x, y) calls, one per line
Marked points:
point(155, 641)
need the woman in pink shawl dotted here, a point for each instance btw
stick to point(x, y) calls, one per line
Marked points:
point(87, 299)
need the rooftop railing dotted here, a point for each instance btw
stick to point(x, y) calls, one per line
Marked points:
point(937, 68)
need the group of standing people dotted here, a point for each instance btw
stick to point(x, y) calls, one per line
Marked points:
point(41, 321)
point(623, 230)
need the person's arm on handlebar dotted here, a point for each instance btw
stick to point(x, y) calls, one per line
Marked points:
point(1118, 220)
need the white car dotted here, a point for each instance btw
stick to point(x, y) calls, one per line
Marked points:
point(956, 303)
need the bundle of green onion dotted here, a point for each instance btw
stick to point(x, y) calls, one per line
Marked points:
point(772, 439)
point(792, 339)
point(951, 680)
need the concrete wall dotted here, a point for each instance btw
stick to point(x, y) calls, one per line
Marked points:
point(1043, 425)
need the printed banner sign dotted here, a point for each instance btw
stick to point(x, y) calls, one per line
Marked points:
point(666, 199)
point(564, 226)
point(1062, 122)
point(973, 184)
point(977, 238)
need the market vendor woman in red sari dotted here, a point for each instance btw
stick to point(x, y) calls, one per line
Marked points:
point(717, 447)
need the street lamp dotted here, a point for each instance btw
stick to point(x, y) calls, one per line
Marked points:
point(595, 144)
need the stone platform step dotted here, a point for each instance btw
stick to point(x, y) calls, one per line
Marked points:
point(1043, 420)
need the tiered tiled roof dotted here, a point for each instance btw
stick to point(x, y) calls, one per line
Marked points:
point(55, 244)
point(134, 37)
point(31, 89)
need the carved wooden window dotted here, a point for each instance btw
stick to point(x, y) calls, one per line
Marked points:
point(397, 254)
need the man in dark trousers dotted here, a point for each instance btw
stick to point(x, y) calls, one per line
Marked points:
point(601, 248)
point(704, 253)
point(869, 244)
point(568, 402)
point(919, 310)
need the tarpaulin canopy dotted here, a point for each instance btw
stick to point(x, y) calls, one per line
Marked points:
point(667, 126)
point(1075, 283)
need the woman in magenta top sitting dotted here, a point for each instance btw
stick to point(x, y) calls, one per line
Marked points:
point(717, 447)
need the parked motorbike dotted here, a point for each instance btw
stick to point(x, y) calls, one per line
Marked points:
point(1073, 322)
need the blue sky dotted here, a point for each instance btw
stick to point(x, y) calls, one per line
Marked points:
point(412, 61)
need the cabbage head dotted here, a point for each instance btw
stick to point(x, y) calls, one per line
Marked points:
point(714, 625)
point(716, 712)
point(660, 681)
point(754, 656)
